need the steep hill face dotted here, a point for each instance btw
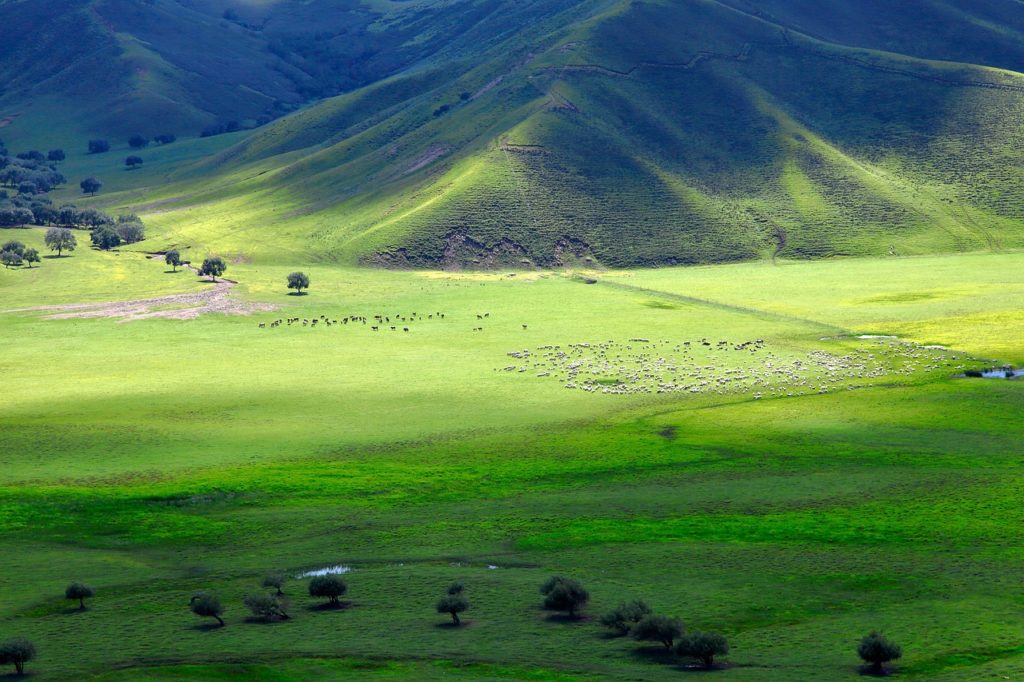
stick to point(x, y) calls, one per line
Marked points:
point(653, 132)
point(551, 132)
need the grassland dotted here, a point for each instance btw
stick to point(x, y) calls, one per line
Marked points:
point(153, 458)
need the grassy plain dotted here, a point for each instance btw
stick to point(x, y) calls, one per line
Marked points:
point(157, 457)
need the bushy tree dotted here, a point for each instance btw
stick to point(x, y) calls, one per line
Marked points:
point(625, 616)
point(298, 281)
point(98, 146)
point(330, 586)
point(17, 652)
point(267, 606)
point(137, 141)
point(79, 592)
point(90, 186)
point(9, 258)
point(453, 605)
point(703, 646)
point(877, 650)
point(105, 238)
point(456, 588)
point(655, 628)
point(31, 256)
point(213, 267)
point(173, 258)
point(273, 580)
point(56, 155)
point(133, 162)
point(60, 239)
point(130, 232)
point(564, 594)
point(207, 605)
point(13, 246)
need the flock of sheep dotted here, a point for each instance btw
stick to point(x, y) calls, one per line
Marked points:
point(725, 367)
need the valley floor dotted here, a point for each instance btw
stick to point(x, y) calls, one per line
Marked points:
point(789, 484)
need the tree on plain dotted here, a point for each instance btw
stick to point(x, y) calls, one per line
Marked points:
point(703, 646)
point(207, 605)
point(14, 246)
point(60, 239)
point(453, 605)
point(137, 141)
point(133, 162)
point(213, 267)
point(273, 580)
point(331, 587)
point(105, 238)
point(9, 258)
point(56, 155)
point(267, 606)
point(173, 258)
point(564, 594)
point(17, 652)
point(655, 628)
point(79, 592)
point(31, 256)
point(625, 616)
point(90, 186)
point(877, 650)
point(98, 146)
point(298, 281)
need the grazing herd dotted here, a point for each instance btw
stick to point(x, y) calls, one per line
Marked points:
point(706, 366)
point(380, 321)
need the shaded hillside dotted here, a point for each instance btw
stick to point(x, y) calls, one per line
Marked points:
point(637, 133)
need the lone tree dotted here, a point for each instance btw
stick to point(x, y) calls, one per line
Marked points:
point(173, 258)
point(703, 646)
point(133, 162)
point(60, 239)
point(98, 146)
point(17, 652)
point(137, 141)
point(877, 650)
point(274, 580)
point(655, 628)
point(298, 281)
point(331, 587)
point(625, 616)
point(453, 605)
point(267, 606)
point(207, 605)
point(564, 594)
point(80, 592)
point(213, 267)
point(90, 186)
point(31, 256)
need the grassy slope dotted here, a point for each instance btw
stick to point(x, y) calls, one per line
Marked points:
point(154, 458)
point(715, 137)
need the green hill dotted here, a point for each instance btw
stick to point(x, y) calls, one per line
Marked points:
point(637, 133)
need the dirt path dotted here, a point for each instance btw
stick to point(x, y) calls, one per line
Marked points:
point(216, 299)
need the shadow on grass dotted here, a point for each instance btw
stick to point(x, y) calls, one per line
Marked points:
point(207, 627)
point(260, 620)
point(298, 293)
point(448, 625)
point(871, 671)
point(567, 619)
point(654, 654)
point(331, 606)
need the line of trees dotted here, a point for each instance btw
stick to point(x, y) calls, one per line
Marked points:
point(560, 593)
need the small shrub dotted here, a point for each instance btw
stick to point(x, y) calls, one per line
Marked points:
point(655, 628)
point(331, 587)
point(79, 592)
point(876, 650)
point(207, 605)
point(17, 652)
point(267, 606)
point(564, 594)
point(273, 580)
point(625, 616)
point(453, 605)
point(703, 646)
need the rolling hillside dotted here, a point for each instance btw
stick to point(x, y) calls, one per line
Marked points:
point(637, 133)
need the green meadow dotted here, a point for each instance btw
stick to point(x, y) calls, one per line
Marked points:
point(156, 457)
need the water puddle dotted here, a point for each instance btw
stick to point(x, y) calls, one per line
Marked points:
point(995, 373)
point(326, 570)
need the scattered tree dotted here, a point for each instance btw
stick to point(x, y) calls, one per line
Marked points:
point(328, 586)
point(56, 155)
point(137, 141)
point(267, 606)
point(80, 592)
point(456, 588)
point(90, 186)
point(703, 646)
point(173, 258)
point(655, 628)
point(298, 281)
point(274, 580)
point(464, 96)
point(13, 246)
point(453, 605)
point(17, 652)
point(165, 138)
point(60, 239)
point(213, 267)
point(133, 162)
point(877, 650)
point(564, 594)
point(130, 231)
point(31, 256)
point(207, 605)
point(625, 616)
point(105, 238)
point(98, 146)
point(9, 258)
